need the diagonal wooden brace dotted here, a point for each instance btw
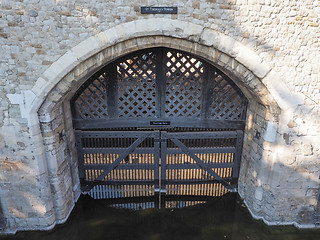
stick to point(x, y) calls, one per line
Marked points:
point(107, 169)
point(201, 164)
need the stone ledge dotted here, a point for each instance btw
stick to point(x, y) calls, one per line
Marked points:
point(277, 223)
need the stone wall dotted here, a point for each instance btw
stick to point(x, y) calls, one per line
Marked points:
point(270, 48)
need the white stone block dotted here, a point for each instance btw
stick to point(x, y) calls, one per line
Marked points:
point(24, 100)
point(65, 63)
point(135, 28)
point(122, 31)
point(40, 84)
point(87, 48)
point(191, 30)
point(225, 44)
point(15, 98)
point(259, 193)
point(271, 132)
point(278, 89)
point(209, 37)
point(252, 61)
point(111, 35)
point(140, 27)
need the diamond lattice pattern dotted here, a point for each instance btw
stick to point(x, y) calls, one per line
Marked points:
point(226, 104)
point(91, 104)
point(184, 78)
point(173, 78)
point(136, 86)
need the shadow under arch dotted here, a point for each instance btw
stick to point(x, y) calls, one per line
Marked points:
point(50, 119)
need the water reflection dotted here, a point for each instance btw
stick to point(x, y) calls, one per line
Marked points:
point(157, 201)
point(215, 218)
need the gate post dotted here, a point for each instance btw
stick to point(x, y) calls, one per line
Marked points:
point(163, 162)
point(237, 160)
point(80, 159)
point(157, 139)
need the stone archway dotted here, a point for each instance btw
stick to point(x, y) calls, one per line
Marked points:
point(159, 91)
point(50, 115)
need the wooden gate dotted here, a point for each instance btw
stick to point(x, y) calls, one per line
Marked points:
point(117, 160)
point(158, 120)
point(115, 164)
point(202, 159)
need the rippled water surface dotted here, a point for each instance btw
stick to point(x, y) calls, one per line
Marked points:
point(219, 218)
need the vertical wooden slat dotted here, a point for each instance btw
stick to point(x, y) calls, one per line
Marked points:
point(163, 161)
point(156, 157)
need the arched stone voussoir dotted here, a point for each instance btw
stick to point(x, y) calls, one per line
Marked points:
point(135, 29)
point(235, 49)
point(147, 28)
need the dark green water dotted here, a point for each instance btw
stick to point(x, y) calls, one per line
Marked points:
point(220, 218)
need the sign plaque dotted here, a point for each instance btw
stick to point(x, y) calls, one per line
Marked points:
point(160, 123)
point(159, 10)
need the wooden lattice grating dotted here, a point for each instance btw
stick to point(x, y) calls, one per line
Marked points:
point(91, 104)
point(183, 85)
point(166, 83)
point(226, 104)
point(136, 86)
